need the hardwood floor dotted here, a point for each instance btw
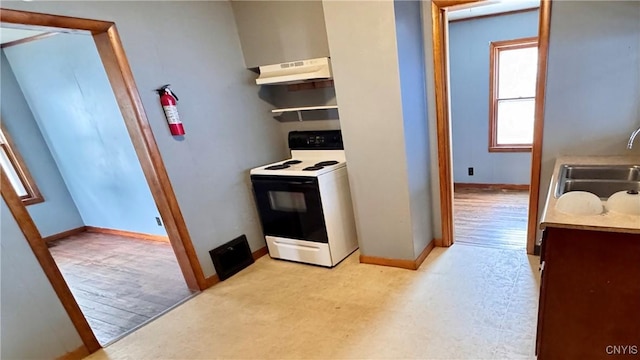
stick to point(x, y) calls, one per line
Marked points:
point(119, 282)
point(494, 218)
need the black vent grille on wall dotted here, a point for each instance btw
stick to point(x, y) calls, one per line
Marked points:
point(228, 259)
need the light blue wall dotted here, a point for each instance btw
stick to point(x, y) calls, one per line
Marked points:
point(208, 170)
point(469, 42)
point(364, 57)
point(593, 82)
point(65, 84)
point(219, 104)
point(58, 212)
point(33, 323)
point(409, 35)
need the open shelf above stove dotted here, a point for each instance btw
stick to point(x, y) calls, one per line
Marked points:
point(305, 108)
point(300, 110)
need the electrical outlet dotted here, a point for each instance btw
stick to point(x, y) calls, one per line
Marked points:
point(470, 171)
point(158, 221)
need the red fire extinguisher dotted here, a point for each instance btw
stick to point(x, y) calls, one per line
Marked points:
point(168, 100)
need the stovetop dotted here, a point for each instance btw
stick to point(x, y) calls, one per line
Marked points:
point(300, 167)
point(313, 153)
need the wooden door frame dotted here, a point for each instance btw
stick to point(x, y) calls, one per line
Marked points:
point(443, 121)
point(120, 76)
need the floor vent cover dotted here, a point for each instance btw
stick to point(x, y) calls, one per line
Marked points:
point(230, 258)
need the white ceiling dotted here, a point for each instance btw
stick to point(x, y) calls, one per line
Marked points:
point(9, 35)
point(460, 12)
point(490, 7)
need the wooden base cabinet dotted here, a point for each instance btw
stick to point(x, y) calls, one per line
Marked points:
point(589, 296)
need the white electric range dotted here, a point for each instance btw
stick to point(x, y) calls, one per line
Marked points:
point(304, 203)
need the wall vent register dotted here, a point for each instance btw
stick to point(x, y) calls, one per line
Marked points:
point(229, 258)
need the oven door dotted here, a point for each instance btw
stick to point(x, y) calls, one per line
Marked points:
point(290, 207)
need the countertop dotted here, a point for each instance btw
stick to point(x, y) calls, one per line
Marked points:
point(607, 221)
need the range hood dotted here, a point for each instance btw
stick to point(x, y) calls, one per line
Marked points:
point(295, 72)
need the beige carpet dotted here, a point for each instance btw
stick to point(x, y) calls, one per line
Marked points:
point(465, 302)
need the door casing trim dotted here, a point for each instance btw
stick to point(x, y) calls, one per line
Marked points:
point(443, 120)
point(111, 51)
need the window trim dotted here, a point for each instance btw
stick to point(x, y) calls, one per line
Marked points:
point(33, 193)
point(494, 63)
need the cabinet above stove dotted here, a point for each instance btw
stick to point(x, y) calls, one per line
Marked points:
point(273, 32)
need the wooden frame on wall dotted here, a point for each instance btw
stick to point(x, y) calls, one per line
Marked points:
point(120, 76)
point(440, 38)
point(544, 30)
point(443, 121)
point(494, 70)
point(33, 195)
point(493, 15)
point(40, 250)
point(28, 39)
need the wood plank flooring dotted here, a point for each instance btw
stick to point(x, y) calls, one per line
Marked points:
point(494, 218)
point(119, 282)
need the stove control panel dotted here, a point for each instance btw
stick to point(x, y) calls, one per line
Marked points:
point(311, 140)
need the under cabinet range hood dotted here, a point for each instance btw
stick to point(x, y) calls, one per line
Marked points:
point(295, 72)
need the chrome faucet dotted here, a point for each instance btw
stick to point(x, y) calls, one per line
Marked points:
point(632, 137)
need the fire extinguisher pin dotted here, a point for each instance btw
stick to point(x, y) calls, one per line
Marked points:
point(166, 88)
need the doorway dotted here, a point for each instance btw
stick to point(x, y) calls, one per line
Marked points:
point(443, 88)
point(492, 56)
point(109, 48)
point(120, 283)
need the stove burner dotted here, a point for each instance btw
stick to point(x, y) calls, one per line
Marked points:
point(277, 167)
point(313, 168)
point(291, 162)
point(326, 163)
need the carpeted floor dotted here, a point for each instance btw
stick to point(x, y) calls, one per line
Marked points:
point(464, 302)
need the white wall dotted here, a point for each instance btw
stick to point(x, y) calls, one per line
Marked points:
point(469, 44)
point(593, 81)
point(33, 323)
point(219, 105)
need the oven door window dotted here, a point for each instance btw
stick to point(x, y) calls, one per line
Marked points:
point(290, 207)
point(287, 201)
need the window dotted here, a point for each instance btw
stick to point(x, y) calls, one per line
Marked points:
point(16, 170)
point(512, 89)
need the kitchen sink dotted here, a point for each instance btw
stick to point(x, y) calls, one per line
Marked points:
point(602, 180)
point(601, 172)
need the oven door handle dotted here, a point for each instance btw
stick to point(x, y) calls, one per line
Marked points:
point(300, 182)
point(283, 182)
